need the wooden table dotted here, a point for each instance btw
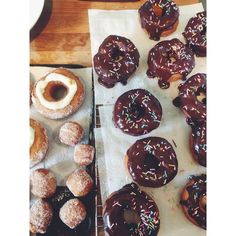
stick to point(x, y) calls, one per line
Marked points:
point(61, 36)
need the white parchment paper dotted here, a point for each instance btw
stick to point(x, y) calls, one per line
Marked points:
point(112, 149)
point(59, 157)
point(103, 23)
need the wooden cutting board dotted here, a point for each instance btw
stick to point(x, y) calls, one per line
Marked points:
point(61, 35)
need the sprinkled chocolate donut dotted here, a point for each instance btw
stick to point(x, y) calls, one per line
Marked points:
point(170, 60)
point(198, 143)
point(137, 112)
point(195, 34)
point(152, 162)
point(159, 17)
point(131, 198)
point(192, 98)
point(193, 200)
point(116, 60)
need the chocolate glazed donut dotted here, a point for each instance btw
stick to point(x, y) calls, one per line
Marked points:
point(159, 17)
point(195, 34)
point(170, 60)
point(193, 200)
point(131, 198)
point(116, 60)
point(189, 98)
point(152, 162)
point(198, 143)
point(137, 112)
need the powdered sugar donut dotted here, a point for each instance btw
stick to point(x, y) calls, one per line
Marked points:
point(58, 94)
point(71, 133)
point(79, 183)
point(72, 213)
point(40, 216)
point(83, 154)
point(38, 142)
point(43, 183)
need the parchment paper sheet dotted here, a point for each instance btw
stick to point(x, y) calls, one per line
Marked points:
point(112, 172)
point(103, 23)
point(59, 157)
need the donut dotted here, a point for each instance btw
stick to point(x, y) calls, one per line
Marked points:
point(58, 94)
point(170, 60)
point(83, 154)
point(193, 200)
point(40, 216)
point(72, 213)
point(198, 144)
point(71, 133)
point(195, 34)
point(38, 142)
point(159, 18)
point(79, 183)
point(43, 183)
point(116, 60)
point(137, 112)
point(130, 197)
point(152, 162)
point(192, 98)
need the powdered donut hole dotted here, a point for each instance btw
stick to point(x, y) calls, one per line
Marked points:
point(83, 154)
point(40, 216)
point(71, 133)
point(72, 213)
point(79, 183)
point(43, 183)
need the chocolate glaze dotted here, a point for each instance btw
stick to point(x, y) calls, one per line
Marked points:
point(152, 162)
point(198, 142)
point(196, 209)
point(187, 100)
point(116, 60)
point(137, 112)
point(154, 23)
point(131, 198)
point(170, 57)
point(195, 34)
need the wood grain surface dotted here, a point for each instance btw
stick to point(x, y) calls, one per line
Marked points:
point(61, 36)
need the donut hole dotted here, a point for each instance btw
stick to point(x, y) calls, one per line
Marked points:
point(201, 96)
point(170, 56)
point(132, 218)
point(136, 111)
point(203, 203)
point(55, 91)
point(151, 162)
point(117, 54)
point(158, 10)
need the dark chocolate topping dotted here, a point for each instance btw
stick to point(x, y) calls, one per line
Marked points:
point(187, 100)
point(155, 23)
point(170, 57)
point(131, 198)
point(152, 162)
point(196, 202)
point(195, 34)
point(198, 142)
point(137, 112)
point(116, 60)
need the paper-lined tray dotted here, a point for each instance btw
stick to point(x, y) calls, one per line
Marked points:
point(112, 144)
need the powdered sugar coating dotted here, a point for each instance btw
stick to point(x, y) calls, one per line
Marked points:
point(84, 154)
point(79, 183)
point(40, 216)
point(43, 183)
point(72, 213)
point(71, 133)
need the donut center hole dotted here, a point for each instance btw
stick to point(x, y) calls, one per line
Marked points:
point(132, 218)
point(169, 56)
point(201, 96)
point(55, 91)
point(203, 203)
point(151, 162)
point(157, 10)
point(117, 54)
point(136, 111)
